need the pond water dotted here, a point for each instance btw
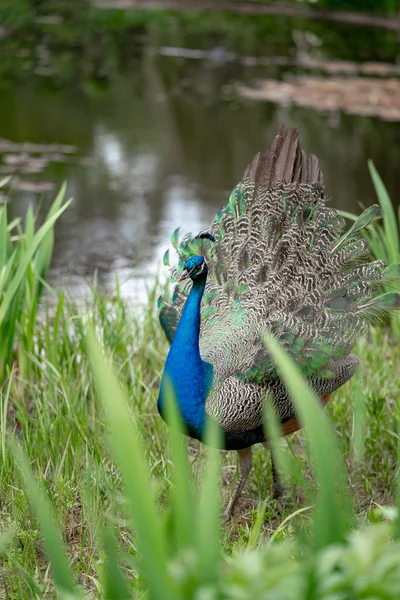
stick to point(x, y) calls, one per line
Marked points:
point(161, 147)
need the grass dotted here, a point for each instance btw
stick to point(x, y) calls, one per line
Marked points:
point(62, 430)
point(99, 500)
point(383, 237)
point(24, 261)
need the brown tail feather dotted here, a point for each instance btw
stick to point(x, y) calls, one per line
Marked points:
point(293, 425)
point(284, 161)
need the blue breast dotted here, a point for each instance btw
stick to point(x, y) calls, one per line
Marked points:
point(189, 375)
point(191, 388)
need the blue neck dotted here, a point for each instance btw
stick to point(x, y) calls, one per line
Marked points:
point(189, 375)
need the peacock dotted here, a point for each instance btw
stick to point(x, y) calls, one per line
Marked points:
point(276, 259)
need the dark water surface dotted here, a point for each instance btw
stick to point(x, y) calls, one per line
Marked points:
point(162, 147)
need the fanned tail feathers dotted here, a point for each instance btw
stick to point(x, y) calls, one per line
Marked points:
point(282, 262)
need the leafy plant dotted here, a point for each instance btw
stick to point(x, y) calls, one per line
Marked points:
point(384, 237)
point(385, 240)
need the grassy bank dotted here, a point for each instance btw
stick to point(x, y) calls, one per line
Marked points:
point(98, 499)
point(56, 417)
point(61, 428)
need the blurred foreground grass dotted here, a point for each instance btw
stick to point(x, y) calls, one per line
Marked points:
point(62, 430)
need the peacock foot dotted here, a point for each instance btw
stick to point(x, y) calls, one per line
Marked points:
point(245, 465)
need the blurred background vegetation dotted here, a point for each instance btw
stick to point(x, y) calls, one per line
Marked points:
point(77, 40)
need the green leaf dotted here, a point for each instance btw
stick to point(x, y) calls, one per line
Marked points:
point(389, 217)
point(208, 519)
point(45, 250)
point(115, 586)
point(25, 261)
point(182, 494)
point(5, 244)
point(126, 446)
point(283, 460)
point(333, 506)
point(368, 216)
point(4, 181)
point(359, 418)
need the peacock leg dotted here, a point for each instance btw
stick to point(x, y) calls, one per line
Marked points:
point(245, 465)
point(277, 488)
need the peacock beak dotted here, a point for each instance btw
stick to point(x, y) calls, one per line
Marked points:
point(184, 275)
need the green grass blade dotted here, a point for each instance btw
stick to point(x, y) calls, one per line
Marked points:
point(10, 325)
point(379, 245)
point(29, 225)
point(129, 456)
point(348, 215)
point(333, 506)
point(6, 538)
point(115, 586)
point(45, 250)
point(287, 520)
point(182, 494)
point(256, 530)
point(5, 243)
point(389, 217)
point(359, 418)
point(5, 180)
point(208, 520)
point(283, 460)
point(397, 524)
point(43, 511)
point(26, 260)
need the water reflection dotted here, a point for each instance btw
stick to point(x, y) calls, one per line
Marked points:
point(167, 141)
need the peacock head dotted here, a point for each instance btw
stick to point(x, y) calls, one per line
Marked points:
point(195, 267)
